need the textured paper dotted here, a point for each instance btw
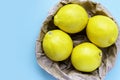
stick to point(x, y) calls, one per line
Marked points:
point(64, 70)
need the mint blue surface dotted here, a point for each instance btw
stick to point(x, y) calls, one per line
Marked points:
point(20, 22)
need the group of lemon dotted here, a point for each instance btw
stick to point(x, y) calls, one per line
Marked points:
point(101, 30)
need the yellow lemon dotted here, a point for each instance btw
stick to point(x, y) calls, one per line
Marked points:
point(57, 45)
point(71, 18)
point(86, 57)
point(102, 31)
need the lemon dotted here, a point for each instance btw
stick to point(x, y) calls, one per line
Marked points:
point(86, 57)
point(71, 18)
point(57, 45)
point(102, 31)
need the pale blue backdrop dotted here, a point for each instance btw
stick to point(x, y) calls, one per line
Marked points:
point(20, 22)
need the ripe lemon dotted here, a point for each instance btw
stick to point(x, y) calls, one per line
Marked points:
point(86, 57)
point(71, 18)
point(57, 45)
point(102, 31)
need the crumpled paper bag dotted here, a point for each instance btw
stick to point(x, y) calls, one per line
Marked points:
point(63, 70)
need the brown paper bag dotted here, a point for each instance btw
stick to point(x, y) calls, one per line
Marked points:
point(64, 70)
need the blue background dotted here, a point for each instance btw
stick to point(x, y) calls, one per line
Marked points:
point(20, 22)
